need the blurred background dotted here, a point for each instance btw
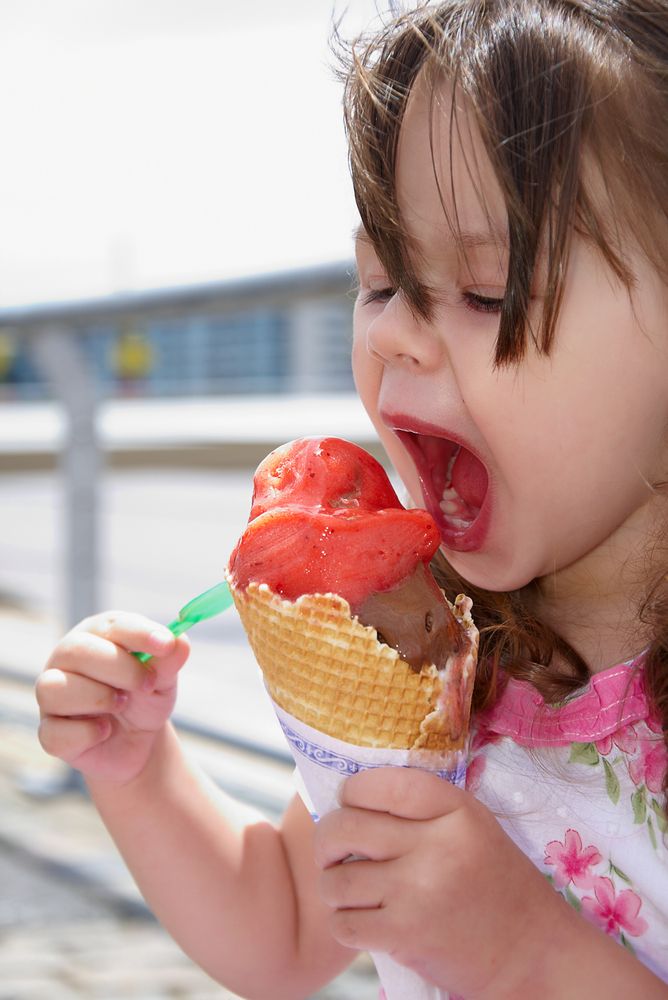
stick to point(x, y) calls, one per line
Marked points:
point(176, 289)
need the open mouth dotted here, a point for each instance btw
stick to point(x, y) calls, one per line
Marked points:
point(454, 485)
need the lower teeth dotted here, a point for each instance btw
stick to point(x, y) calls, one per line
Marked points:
point(457, 511)
point(457, 522)
point(449, 507)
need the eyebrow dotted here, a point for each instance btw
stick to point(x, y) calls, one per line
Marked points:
point(466, 238)
point(494, 239)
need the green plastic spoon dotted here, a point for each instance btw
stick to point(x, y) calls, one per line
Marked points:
point(207, 605)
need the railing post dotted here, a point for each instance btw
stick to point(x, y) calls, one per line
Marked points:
point(63, 363)
point(307, 336)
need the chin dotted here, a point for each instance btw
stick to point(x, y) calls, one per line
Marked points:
point(483, 571)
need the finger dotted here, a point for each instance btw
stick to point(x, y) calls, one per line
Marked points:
point(69, 738)
point(354, 885)
point(66, 694)
point(101, 659)
point(358, 832)
point(406, 792)
point(364, 930)
point(160, 672)
point(134, 632)
point(93, 656)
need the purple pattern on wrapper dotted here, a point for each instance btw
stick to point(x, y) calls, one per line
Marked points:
point(334, 761)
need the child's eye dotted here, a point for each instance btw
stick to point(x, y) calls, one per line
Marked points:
point(482, 303)
point(377, 295)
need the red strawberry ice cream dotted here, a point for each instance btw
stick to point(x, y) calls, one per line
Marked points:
point(325, 519)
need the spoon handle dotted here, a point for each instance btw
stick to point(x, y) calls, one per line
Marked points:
point(204, 606)
point(177, 627)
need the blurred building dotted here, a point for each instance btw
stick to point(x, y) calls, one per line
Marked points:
point(280, 333)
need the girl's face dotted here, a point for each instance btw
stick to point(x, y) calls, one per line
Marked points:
point(530, 469)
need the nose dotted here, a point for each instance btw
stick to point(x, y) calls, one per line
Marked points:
point(397, 336)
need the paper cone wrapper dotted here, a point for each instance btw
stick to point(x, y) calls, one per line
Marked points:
point(346, 703)
point(323, 763)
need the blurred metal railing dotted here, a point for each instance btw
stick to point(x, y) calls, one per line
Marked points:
point(54, 330)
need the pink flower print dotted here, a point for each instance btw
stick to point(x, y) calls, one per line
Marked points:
point(625, 739)
point(614, 913)
point(650, 765)
point(571, 861)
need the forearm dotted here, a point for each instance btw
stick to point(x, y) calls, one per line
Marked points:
point(598, 966)
point(580, 962)
point(216, 889)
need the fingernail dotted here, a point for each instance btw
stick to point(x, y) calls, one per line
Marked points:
point(161, 637)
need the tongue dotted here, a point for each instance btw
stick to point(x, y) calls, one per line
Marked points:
point(469, 478)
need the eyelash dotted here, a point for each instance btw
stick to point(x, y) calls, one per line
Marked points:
point(482, 303)
point(476, 303)
point(377, 295)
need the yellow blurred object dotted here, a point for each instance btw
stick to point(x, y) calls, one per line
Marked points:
point(133, 356)
point(7, 354)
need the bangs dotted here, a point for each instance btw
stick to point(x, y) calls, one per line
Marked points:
point(551, 94)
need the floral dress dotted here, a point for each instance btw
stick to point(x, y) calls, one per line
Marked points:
point(578, 788)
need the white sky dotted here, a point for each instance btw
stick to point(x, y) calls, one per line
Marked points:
point(157, 142)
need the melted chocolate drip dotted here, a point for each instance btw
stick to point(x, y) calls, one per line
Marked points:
point(415, 619)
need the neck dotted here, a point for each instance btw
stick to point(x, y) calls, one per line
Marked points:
point(595, 607)
point(603, 631)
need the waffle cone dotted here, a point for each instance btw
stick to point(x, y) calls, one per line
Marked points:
point(326, 669)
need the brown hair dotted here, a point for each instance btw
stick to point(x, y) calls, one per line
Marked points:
point(547, 82)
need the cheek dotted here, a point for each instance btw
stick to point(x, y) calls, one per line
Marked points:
point(367, 371)
point(368, 375)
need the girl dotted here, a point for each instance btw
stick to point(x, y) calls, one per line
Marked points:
point(511, 346)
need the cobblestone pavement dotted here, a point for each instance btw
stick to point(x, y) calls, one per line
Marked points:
point(72, 924)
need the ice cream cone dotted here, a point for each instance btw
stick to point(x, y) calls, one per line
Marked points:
point(326, 669)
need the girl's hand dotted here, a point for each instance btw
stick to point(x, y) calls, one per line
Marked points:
point(444, 890)
point(101, 709)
